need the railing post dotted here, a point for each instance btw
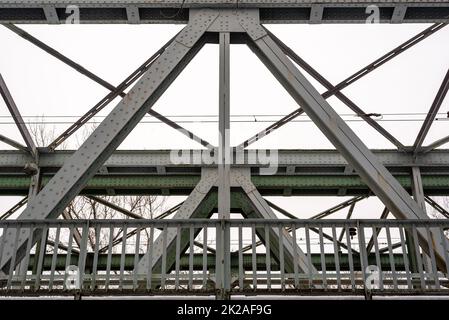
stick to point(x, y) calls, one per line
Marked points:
point(357, 265)
point(412, 258)
point(223, 256)
point(364, 260)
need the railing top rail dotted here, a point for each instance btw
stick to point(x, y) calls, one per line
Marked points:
point(444, 223)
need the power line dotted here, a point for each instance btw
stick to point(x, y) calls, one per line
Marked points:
point(235, 115)
point(216, 121)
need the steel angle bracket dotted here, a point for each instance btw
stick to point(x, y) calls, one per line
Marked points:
point(86, 161)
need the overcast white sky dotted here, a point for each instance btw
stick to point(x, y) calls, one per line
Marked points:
point(44, 86)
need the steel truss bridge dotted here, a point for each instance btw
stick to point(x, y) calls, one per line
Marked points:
point(184, 251)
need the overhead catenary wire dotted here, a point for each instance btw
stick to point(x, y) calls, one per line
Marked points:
point(216, 121)
point(235, 115)
point(237, 118)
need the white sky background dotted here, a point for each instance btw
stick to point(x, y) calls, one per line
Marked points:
point(44, 86)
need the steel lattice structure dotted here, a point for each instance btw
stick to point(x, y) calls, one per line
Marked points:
point(50, 179)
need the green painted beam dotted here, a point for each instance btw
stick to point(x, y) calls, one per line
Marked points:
point(198, 260)
point(434, 184)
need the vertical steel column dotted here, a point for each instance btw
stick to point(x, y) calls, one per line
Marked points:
point(372, 172)
point(418, 195)
point(35, 185)
point(223, 270)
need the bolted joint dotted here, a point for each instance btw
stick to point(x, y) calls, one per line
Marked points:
point(352, 232)
point(31, 168)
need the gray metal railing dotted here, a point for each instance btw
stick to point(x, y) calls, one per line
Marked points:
point(266, 257)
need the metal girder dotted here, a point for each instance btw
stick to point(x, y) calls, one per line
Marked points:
point(134, 76)
point(247, 260)
point(316, 13)
point(348, 216)
point(134, 216)
point(399, 13)
point(271, 11)
point(284, 120)
point(134, 232)
point(436, 206)
point(437, 102)
point(14, 209)
point(13, 143)
point(115, 207)
point(132, 13)
point(370, 244)
point(281, 210)
point(434, 145)
point(60, 246)
point(35, 185)
point(385, 58)
point(11, 105)
point(324, 184)
point(51, 14)
point(333, 91)
point(115, 91)
point(339, 243)
point(76, 233)
point(131, 233)
point(337, 89)
point(377, 177)
point(392, 247)
point(161, 254)
point(223, 268)
point(191, 209)
point(76, 172)
point(294, 257)
point(25, 35)
point(289, 215)
point(170, 211)
point(418, 195)
point(308, 161)
point(180, 129)
point(417, 188)
point(338, 207)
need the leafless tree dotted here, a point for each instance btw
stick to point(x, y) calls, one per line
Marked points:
point(83, 207)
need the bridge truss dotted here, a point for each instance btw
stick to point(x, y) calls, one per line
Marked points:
point(284, 255)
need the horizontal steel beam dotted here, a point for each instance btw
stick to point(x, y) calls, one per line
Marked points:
point(189, 161)
point(297, 185)
point(198, 261)
point(177, 11)
point(300, 172)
